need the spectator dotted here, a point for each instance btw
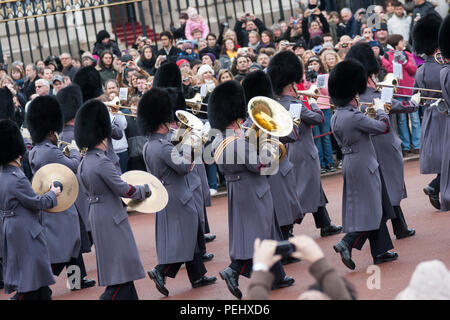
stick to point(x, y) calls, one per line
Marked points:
point(54, 63)
point(228, 53)
point(247, 23)
point(42, 89)
point(210, 60)
point(40, 64)
point(400, 23)
point(397, 54)
point(48, 75)
point(327, 38)
point(367, 34)
point(211, 46)
point(187, 52)
point(147, 60)
point(382, 35)
point(336, 26)
point(181, 31)
point(239, 69)
point(263, 60)
point(135, 140)
point(294, 32)
point(17, 76)
point(277, 32)
point(266, 40)
point(105, 67)
point(329, 284)
point(421, 8)
point(29, 88)
point(105, 43)
point(168, 50)
point(254, 40)
point(141, 85)
point(389, 8)
point(57, 83)
point(195, 22)
point(352, 26)
point(329, 59)
point(378, 51)
point(206, 79)
point(308, 54)
point(344, 42)
point(88, 60)
point(190, 88)
point(76, 63)
point(184, 65)
point(314, 24)
point(111, 89)
point(224, 75)
point(68, 69)
point(195, 65)
point(134, 53)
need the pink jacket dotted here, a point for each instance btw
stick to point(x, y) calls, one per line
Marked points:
point(200, 24)
point(409, 71)
point(322, 91)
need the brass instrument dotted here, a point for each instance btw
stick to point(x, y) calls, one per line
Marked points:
point(391, 81)
point(440, 59)
point(371, 111)
point(114, 106)
point(66, 149)
point(196, 104)
point(188, 132)
point(312, 92)
point(272, 119)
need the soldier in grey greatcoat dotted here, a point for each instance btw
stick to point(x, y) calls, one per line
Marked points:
point(26, 259)
point(444, 46)
point(285, 71)
point(70, 99)
point(363, 213)
point(118, 261)
point(251, 212)
point(177, 226)
point(45, 120)
point(425, 41)
point(387, 146)
point(283, 184)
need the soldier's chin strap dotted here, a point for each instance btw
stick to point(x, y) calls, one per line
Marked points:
point(18, 161)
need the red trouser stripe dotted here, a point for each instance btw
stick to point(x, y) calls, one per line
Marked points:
point(114, 296)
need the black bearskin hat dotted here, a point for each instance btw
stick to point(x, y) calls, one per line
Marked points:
point(70, 99)
point(44, 115)
point(284, 68)
point(226, 104)
point(11, 142)
point(364, 54)
point(346, 80)
point(444, 44)
point(425, 34)
point(155, 108)
point(92, 124)
point(168, 75)
point(6, 104)
point(257, 83)
point(89, 81)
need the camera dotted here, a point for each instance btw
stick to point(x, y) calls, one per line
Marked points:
point(284, 248)
point(225, 24)
point(311, 75)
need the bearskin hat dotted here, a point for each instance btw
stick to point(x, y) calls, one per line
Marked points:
point(425, 34)
point(44, 116)
point(257, 83)
point(70, 99)
point(444, 44)
point(226, 104)
point(168, 75)
point(11, 142)
point(92, 124)
point(6, 104)
point(364, 54)
point(346, 80)
point(88, 78)
point(155, 108)
point(284, 68)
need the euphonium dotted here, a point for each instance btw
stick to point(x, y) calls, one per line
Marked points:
point(188, 132)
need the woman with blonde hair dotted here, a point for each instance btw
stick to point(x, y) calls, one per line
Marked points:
point(329, 58)
point(306, 55)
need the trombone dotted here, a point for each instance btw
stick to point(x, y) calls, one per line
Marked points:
point(196, 104)
point(114, 106)
point(391, 81)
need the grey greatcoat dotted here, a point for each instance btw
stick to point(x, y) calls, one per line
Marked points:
point(62, 229)
point(117, 255)
point(177, 224)
point(362, 207)
point(445, 166)
point(81, 204)
point(195, 185)
point(388, 148)
point(26, 260)
point(433, 122)
point(250, 207)
point(304, 155)
point(205, 186)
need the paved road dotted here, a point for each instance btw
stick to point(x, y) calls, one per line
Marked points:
point(432, 241)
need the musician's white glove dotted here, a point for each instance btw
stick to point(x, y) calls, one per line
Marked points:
point(436, 103)
point(25, 133)
point(73, 146)
point(311, 100)
point(378, 104)
point(415, 99)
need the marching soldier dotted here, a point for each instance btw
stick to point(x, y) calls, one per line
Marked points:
point(251, 212)
point(444, 47)
point(26, 259)
point(70, 99)
point(118, 261)
point(363, 215)
point(285, 71)
point(425, 41)
point(387, 146)
point(44, 119)
point(177, 226)
point(283, 183)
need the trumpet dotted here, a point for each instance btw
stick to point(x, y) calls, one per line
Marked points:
point(391, 81)
point(371, 111)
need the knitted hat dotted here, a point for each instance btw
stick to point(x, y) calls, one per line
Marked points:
point(182, 61)
point(186, 45)
point(211, 55)
point(204, 68)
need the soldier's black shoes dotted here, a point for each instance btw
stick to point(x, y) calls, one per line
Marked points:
point(346, 254)
point(406, 234)
point(385, 257)
point(330, 230)
point(1, 284)
point(159, 280)
point(289, 260)
point(231, 279)
point(286, 282)
point(207, 257)
point(209, 237)
point(86, 283)
point(434, 197)
point(203, 281)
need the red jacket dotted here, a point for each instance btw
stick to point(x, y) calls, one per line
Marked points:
point(408, 69)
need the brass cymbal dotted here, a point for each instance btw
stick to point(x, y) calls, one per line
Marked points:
point(156, 202)
point(57, 172)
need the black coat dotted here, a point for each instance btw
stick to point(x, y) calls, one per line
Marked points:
point(242, 34)
point(112, 46)
point(172, 56)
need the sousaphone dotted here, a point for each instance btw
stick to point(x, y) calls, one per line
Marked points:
point(56, 172)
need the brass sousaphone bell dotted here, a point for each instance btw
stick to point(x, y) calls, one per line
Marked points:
point(158, 199)
point(271, 118)
point(53, 172)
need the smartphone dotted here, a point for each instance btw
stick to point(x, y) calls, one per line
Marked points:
point(284, 248)
point(164, 58)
